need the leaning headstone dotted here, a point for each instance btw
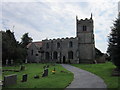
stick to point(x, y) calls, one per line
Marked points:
point(10, 80)
point(24, 78)
point(45, 73)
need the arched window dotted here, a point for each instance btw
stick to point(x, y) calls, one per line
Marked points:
point(58, 45)
point(70, 55)
point(47, 55)
point(84, 28)
point(55, 55)
point(47, 45)
point(70, 44)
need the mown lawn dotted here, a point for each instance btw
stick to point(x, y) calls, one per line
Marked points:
point(104, 71)
point(57, 80)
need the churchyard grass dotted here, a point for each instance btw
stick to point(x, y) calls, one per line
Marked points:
point(57, 80)
point(104, 71)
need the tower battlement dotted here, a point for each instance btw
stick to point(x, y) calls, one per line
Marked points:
point(84, 20)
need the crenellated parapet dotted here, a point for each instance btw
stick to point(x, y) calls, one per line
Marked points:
point(58, 39)
point(86, 20)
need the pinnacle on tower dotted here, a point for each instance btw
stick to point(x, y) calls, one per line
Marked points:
point(76, 17)
point(91, 16)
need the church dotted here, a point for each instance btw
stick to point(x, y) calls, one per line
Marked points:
point(79, 49)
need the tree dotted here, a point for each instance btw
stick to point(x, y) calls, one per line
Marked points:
point(25, 40)
point(114, 43)
point(98, 53)
point(12, 49)
point(9, 45)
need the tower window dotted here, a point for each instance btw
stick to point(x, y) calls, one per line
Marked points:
point(70, 44)
point(58, 45)
point(84, 28)
point(47, 45)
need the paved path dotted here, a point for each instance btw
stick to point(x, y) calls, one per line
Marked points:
point(84, 79)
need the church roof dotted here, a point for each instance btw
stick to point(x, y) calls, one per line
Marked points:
point(37, 44)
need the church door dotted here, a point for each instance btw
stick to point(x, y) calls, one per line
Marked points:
point(64, 59)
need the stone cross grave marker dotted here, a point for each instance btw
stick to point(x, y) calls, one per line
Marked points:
point(24, 78)
point(10, 80)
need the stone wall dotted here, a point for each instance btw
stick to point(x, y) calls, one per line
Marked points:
point(62, 50)
point(86, 45)
point(36, 56)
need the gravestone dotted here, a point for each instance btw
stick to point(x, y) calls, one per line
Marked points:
point(1, 84)
point(45, 73)
point(36, 76)
point(10, 80)
point(6, 61)
point(11, 62)
point(26, 60)
point(24, 78)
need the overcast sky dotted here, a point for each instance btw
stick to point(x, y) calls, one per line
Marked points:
point(57, 19)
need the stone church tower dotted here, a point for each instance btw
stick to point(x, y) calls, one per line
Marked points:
point(85, 35)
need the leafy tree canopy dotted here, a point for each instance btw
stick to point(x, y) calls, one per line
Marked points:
point(25, 40)
point(12, 49)
point(114, 43)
